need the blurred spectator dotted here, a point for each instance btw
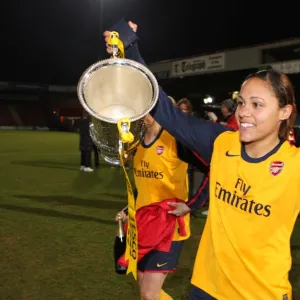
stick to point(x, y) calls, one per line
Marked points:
point(96, 156)
point(296, 132)
point(294, 137)
point(85, 143)
point(228, 108)
point(185, 105)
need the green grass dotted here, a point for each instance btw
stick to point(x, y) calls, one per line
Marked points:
point(57, 229)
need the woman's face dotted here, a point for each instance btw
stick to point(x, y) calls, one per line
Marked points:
point(258, 113)
point(148, 120)
point(184, 108)
point(224, 110)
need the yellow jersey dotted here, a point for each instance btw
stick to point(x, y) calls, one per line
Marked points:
point(159, 175)
point(244, 252)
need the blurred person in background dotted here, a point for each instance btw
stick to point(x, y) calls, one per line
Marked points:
point(294, 137)
point(185, 105)
point(228, 108)
point(96, 156)
point(86, 144)
point(296, 132)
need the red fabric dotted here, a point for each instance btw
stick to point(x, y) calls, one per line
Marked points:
point(232, 123)
point(155, 228)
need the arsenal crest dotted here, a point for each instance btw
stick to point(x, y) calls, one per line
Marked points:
point(160, 150)
point(276, 167)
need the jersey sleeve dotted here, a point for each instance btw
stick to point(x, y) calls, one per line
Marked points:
point(194, 133)
point(191, 158)
point(201, 196)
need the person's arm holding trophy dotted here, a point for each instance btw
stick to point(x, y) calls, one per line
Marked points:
point(118, 93)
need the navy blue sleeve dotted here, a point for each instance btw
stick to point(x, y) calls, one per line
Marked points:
point(194, 133)
point(191, 158)
point(127, 35)
point(133, 53)
point(201, 196)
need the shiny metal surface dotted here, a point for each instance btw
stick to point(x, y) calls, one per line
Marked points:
point(113, 89)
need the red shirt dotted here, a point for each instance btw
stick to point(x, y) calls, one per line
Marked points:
point(232, 123)
point(155, 228)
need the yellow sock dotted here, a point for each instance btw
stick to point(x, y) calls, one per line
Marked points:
point(164, 296)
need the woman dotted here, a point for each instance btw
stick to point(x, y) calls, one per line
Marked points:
point(244, 252)
point(159, 175)
point(85, 143)
point(228, 108)
point(185, 105)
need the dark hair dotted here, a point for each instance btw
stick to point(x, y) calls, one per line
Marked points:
point(283, 90)
point(187, 103)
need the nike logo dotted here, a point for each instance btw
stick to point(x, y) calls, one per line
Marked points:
point(160, 265)
point(231, 155)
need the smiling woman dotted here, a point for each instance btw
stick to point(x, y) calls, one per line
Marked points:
point(250, 170)
point(244, 251)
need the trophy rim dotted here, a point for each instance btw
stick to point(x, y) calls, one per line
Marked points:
point(116, 61)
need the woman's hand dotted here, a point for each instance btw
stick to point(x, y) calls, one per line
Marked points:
point(106, 35)
point(181, 209)
point(121, 216)
point(212, 116)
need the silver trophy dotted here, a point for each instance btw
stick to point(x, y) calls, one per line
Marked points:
point(113, 89)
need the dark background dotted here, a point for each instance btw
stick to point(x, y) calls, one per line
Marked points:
point(54, 41)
